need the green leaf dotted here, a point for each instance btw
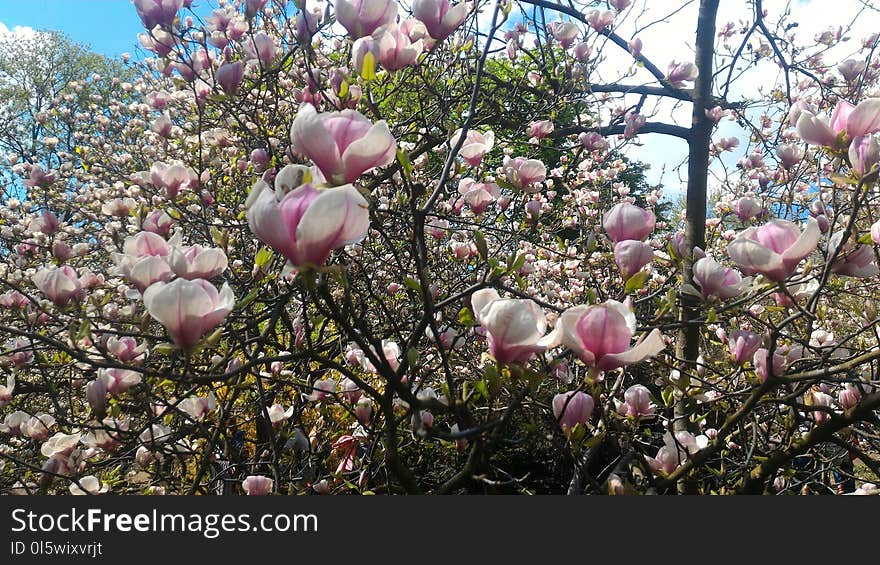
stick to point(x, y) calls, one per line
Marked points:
point(85, 329)
point(517, 263)
point(213, 339)
point(840, 179)
point(668, 396)
point(636, 281)
point(264, 257)
point(412, 283)
point(246, 301)
point(405, 163)
point(482, 389)
point(482, 246)
point(594, 441)
point(164, 349)
point(712, 316)
point(412, 356)
point(466, 317)
point(493, 379)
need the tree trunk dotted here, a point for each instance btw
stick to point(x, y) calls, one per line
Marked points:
point(687, 347)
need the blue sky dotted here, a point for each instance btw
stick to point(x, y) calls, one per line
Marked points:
point(109, 26)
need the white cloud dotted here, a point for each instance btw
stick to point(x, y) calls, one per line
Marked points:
point(24, 32)
point(668, 32)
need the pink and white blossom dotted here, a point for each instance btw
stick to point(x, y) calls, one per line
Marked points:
point(188, 308)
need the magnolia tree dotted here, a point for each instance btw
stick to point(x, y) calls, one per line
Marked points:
point(381, 247)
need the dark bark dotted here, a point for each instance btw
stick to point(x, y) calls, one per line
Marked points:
point(687, 346)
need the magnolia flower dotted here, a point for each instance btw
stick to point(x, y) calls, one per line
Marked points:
point(475, 145)
point(173, 178)
point(278, 415)
point(256, 485)
point(600, 20)
point(564, 32)
point(849, 396)
point(229, 77)
point(856, 121)
point(679, 73)
point(60, 445)
point(631, 255)
point(126, 349)
point(820, 399)
point(862, 120)
point(391, 354)
point(635, 47)
point(864, 153)
point(346, 446)
point(762, 369)
point(774, 249)
point(158, 222)
point(322, 391)
point(514, 327)
point(7, 390)
point(742, 345)
point(157, 12)
point(350, 390)
point(260, 49)
point(633, 122)
point(197, 407)
point(523, 173)
point(850, 69)
point(197, 262)
point(343, 145)
point(13, 422)
point(789, 155)
point(714, 279)
point(866, 489)
point(582, 51)
point(359, 50)
point(715, 113)
point(142, 261)
point(155, 435)
point(439, 16)
point(90, 484)
point(117, 381)
point(39, 178)
point(396, 51)
point(600, 335)
point(188, 309)
point(19, 352)
point(636, 403)
point(747, 208)
point(363, 410)
point(119, 207)
point(540, 129)
point(675, 450)
point(13, 299)
point(107, 438)
point(60, 285)
point(593, 141)
point(416, 30)
point(572, 408)
point(307, 224)
point(628, 221)
point(37, 426)
point(854, 260)
point(478, 195)
point(363, 17)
